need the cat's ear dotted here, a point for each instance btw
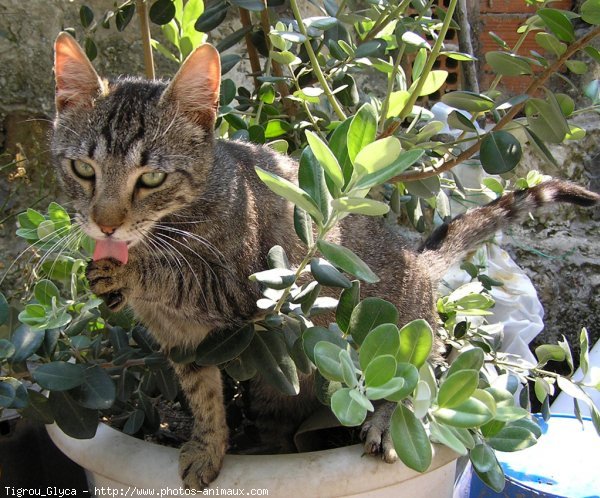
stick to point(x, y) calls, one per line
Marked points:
point(195, 87)
point(77, 82)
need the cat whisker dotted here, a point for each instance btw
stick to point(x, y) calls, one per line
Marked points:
point(165, 243)
point(197, 238)
point(33, 247)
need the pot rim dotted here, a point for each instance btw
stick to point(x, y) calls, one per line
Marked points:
point(143, 464)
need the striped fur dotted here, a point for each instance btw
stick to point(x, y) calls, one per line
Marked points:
point(451, 241)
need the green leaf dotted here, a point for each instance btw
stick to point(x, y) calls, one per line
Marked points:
point(362, 131)
point(508, 64)
point(338, 143)
point(584, 351)
point(392, 388)
point(26, 342)
point(550, 43)
point(512, 439)
point(38, 408)
point(224, 345)
point(4, 309)
point(314, 335)
point(402, 163)
point(546, 119)
point(7, 349)
point(276, 258)
point(381, 340)
point(349, 371)
point(471, 359)
point(254, 5)
point(326, 158)
point(433, 82)
point(326, 274)
point(59, 375)
point(444, 435)
point(368, 207)
point(380, 370)
point(345, 259)
point(397, 102)
point(590, 11)
point(44, 291)
point(327, 359)
point(377, 155)
point(289, 191)
point(124, 16)
point(469, 414)
point(276, 278)
point(276, 128)
point(270, 358)
point(494, 477)
point(212, 17)
point(558, 23)
point(74, 420)
point(416, 341)
point(549, 352)
point(86, 15)
point(134, 422)
point(458, 120)
point(311, 179)
point(457, 388)
point(303, 226)
point(98, 389)
point(162, 11)
point(347, 410)
point(483, 457)
point(349, 299)
point(500, 152)
point(7, 394)
point(410, 375)
point(362, 400)
point(369, 48)
point(410, 439)
point(577, 67)
point(369, 314)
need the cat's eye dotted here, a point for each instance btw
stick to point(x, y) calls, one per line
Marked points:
point(83, 170)
point(152, 180)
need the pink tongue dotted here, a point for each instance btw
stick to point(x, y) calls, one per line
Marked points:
point(109, 248)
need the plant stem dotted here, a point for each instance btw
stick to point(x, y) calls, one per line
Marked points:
point(282, 87)
point(447, 163)
point(390, 86)
point(323, 231)
point(315, 63)
point(142, 10)
point(252, 52)
point(433, 55)
point(384, 19)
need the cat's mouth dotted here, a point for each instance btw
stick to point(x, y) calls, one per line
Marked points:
point(112, 248)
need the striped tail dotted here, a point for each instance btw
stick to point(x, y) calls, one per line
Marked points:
point(451, 241)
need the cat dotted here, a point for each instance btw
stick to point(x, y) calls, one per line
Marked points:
point(181, 220)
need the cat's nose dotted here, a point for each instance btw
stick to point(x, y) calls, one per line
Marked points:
point(107, 230)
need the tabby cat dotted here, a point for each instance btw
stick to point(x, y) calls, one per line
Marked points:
point(181, 220)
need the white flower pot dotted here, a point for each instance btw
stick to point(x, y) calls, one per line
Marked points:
point(126, 465)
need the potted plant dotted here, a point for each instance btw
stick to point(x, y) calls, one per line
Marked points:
point(67, 359)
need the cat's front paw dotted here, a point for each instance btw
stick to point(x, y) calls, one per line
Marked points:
point(199, 464)
point(106, 278)
point(376, 434)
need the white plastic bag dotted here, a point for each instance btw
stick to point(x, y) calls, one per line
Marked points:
point(518, 309)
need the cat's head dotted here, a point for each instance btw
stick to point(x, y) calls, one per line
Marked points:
point(131, 151)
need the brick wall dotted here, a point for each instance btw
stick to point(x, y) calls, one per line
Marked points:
point(503, 17)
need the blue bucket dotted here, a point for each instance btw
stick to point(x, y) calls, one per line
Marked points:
point(564, 463)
